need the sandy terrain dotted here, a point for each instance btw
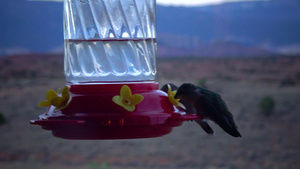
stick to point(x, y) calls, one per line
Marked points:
point(268, 142)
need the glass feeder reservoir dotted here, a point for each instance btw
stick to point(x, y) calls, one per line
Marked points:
point(109, 41)
point(110, 67)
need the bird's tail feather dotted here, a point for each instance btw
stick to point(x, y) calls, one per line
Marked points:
point(229, 126)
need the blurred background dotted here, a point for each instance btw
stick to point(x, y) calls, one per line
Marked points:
point(248, 51)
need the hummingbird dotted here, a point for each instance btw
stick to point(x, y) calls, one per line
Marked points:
point(189, 109)
point(209, 105)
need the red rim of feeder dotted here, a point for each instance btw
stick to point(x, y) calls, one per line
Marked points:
point(93, 115)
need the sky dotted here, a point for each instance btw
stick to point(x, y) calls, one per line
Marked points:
point(185, 2)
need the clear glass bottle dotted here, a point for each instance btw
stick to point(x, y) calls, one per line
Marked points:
point(109, 41)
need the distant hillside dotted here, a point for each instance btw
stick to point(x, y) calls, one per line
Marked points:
point(265, 26)
point(30, 25)
point(232, 29)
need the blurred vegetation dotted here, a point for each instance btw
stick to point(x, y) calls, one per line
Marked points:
point(93, 166)
point(104, 165)
point(267, 105)
point(203, 82)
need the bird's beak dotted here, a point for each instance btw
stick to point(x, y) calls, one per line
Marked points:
point(176, 96)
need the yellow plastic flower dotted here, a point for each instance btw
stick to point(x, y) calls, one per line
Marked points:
point(126, 99)
point(57, 101)
point(49, 96)
point(172, 100)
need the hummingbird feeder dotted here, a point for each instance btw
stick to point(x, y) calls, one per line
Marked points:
point(110, 67)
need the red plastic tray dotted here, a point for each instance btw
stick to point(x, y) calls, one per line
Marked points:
point(93, 115)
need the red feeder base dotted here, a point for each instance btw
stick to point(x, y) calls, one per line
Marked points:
point(93, 115)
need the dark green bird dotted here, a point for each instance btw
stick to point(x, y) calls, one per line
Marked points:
point(189, 109)
point(209, 105)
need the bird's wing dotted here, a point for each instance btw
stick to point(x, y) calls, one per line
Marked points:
point(220, 103)
point(208, 106)
point(214, 106)
point(214, 100)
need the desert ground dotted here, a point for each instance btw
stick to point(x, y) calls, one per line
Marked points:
point(268, 142)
